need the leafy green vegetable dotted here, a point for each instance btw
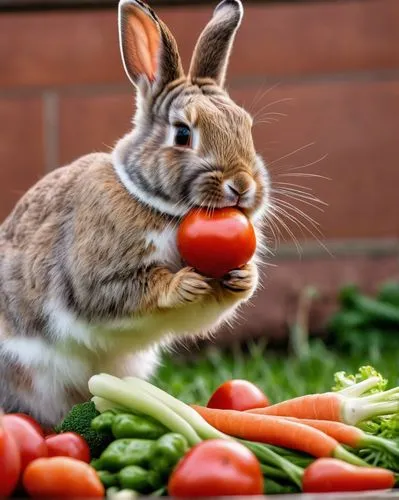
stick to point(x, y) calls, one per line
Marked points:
point(366, 326)
point(389, 293)
point(79, 420)
point(353, 383)
point(344, 321)
point(385, 426)
point(351, 297)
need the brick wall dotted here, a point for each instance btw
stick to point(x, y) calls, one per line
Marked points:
point(331, 67)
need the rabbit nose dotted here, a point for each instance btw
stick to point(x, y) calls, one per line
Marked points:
point(241, 186)
point(233, 190)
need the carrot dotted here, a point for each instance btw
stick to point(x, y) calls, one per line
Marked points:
point(343, 433)
point(335, 406)
point(349, 435)
point(325, 406)
point(276, 431)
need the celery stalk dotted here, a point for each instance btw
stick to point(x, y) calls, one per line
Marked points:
point(103, 405)
point(119, 392)
point(205, 430)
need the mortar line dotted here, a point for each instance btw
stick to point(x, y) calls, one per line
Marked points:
point(237, 82)
point(373, 248)
point(51, 129)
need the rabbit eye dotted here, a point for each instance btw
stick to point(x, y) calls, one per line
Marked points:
point(183, 135)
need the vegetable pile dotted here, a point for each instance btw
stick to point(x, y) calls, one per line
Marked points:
point(39, 465)
point(137, 439)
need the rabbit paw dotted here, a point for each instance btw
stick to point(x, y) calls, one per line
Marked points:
point(186, 287)
point(241, 280)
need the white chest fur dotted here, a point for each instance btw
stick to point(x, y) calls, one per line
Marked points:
point(163, 244)
point(104, 346)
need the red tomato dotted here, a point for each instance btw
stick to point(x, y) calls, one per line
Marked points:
point(32, 421)
point(10, 462)
point(216, 468)
point(31, 444)
point(62, 477)
point(332, 475)
point(218, 242)
point(68, 444)
point(238, 395)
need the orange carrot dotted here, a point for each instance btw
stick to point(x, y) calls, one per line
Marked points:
point(276, 431)
point(335, 406)
point(343, 433)
point(325, 406)
point(349, 435)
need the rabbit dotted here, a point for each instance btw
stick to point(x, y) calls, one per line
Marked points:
point(91, 279)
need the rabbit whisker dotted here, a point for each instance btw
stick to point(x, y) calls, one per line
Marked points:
point(278, 101)
point(275, 213)
point(304, 174)
point(301, 199)
point(261, 95)
point(291, 153)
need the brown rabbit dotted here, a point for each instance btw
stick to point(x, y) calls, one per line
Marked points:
point(90, 276)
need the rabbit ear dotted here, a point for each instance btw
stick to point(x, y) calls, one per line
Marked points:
point(149, 51)
point(213, 48)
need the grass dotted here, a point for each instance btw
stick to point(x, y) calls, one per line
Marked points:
point(312, 364)
point(281, 376)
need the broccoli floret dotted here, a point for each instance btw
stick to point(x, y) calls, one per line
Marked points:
point(79, 420)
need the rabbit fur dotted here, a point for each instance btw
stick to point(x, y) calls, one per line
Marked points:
point(90, 276)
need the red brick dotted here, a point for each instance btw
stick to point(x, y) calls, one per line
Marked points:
point(317, 37)
point(93, 122)
point(21, 148)
point(279, 39)
point(61, 48)
point(356, 124)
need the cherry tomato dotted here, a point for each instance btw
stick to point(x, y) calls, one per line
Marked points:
point(10, 462)
point(68, 444)
point(238, 395)
point(31, 444)
point(332, 475)
point(217, 242)
point(216, 468)
point(31, 420)
point(62, 477)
